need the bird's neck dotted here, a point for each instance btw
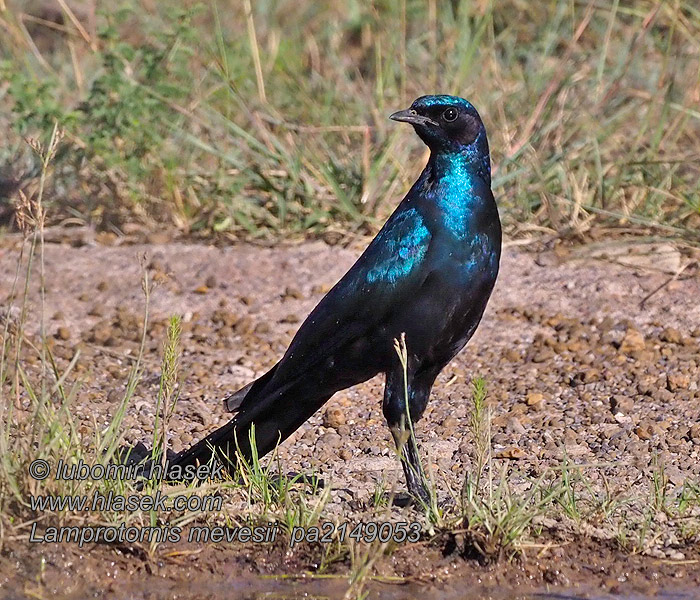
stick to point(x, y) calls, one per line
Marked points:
point(458, 185)
point(462, 164)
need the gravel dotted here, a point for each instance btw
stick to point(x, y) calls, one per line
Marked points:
point(576, 368)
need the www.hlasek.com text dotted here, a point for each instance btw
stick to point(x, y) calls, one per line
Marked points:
point(111, 502)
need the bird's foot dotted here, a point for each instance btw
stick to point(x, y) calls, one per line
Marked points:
point(416, 486)
point(447, 504)
point(402, 500)
point(418, 498)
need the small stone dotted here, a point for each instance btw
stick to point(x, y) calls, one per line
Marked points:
point(500, 439)
point(534, 400)
point(200, 332)
point(663, 395)
point(244, 325)
point(262, 327)
point(511, 355)
point(202, 289)
point(511, 452)
point(291, 318)
point(621, 404)
point(576, 347)
point(633, 341)
point(158, 238)
point(210, 281)
point(63, 333)
point(326, 287)
point(543, 355)
point(157, 264)
point(644, 431)
point(309, 436)
point(450, 424)
point(577, 450)
point(292, 292)
point(102, 286)
point(114, 371)
point(345, 454)
point(97, 311)
point(334, 417)
point(647, 385)
point(585, 375)
point(106, 238)
point(694, 434)
point(678, 381)
point(671, 335)
point(101, 334)
point(332, 237)
point(515, 426)
point(113, 396)
point(224, 317)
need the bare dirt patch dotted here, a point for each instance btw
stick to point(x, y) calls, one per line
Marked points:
point(580, 370)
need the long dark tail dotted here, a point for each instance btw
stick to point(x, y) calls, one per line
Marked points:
point(220, 443)
point(275, 423)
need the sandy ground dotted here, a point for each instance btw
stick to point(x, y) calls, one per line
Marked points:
point(578, 367)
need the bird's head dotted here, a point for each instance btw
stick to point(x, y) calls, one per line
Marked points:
point(444, 123)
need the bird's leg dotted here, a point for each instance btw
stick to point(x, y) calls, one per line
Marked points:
point(402, 408)
point(410, 461)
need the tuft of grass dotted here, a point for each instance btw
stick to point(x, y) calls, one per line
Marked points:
point(293, 501)
point(494, 517)
point(363, 558)
point(168, 391)
point(480, 426)
point(36, 419)
point(37, 416)
point(380, 497)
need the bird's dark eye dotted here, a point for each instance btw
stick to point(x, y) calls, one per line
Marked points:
point(450, 114)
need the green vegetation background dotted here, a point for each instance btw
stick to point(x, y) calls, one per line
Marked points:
point(269, 118)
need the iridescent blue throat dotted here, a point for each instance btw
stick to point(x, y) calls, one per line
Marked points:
point(458, 181)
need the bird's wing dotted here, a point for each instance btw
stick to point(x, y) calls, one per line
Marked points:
point(390, 270)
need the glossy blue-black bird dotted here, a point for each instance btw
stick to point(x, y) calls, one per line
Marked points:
point(428, 273)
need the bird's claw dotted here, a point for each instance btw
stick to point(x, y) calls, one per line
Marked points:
point(416, 495)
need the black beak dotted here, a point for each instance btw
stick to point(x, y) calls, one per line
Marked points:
point(412, 117)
